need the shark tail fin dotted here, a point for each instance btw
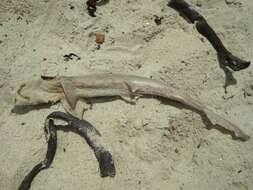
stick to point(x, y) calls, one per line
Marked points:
point(227, 125)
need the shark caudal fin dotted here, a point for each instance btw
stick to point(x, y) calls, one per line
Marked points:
point(70, 93)
point(227, 125)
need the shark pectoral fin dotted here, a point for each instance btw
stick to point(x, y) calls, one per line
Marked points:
point(67, 107)
point(127, 98)
point(79, 110)
point(69, 91)
point(81, 107)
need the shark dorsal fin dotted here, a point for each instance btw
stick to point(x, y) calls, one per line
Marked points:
point(70, 92)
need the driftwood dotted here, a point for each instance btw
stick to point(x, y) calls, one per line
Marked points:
point(225, 56)
point(86, 130)
point(92, 6)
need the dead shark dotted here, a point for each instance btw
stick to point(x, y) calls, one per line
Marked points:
point(71, 90)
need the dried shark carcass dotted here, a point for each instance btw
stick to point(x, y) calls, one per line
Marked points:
point(71, 91)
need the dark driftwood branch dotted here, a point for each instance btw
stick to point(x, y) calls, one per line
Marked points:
point(225, 56)
point(93, 138)
point(86, 130)
point(50, 130)
point(92, 6)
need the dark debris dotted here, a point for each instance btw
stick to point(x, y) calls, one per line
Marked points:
point(71, 56)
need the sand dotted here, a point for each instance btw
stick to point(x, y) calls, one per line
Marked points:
point(156, 145)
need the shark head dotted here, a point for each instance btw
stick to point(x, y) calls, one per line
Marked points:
point(36, 92)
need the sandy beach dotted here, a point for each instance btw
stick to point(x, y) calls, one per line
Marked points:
point(156, 145)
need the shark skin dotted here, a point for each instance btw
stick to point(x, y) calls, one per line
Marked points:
point(71, 90)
